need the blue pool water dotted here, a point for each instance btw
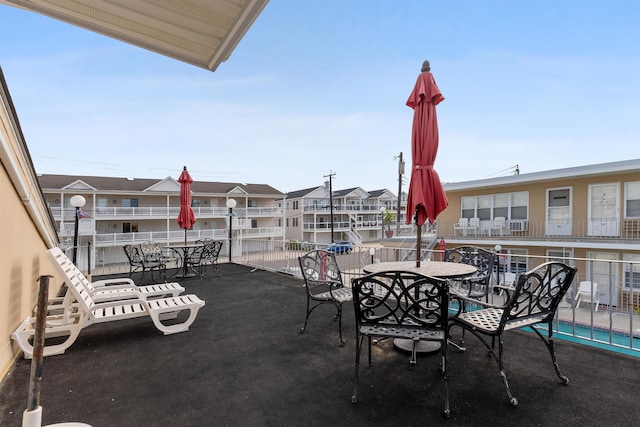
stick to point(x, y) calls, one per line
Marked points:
point(617, 342)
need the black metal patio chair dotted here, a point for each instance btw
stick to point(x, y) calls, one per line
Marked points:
point(137, 261)
point(476, 286)
point(211, 252)
point(532, 303)
point(323, 283)
point(400, 304)
point(195, 260)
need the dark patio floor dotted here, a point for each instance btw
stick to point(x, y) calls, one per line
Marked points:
point(244, 363)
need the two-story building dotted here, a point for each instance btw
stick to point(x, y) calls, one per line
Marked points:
point(134, 210)
point(586, 212)
point(356, 213)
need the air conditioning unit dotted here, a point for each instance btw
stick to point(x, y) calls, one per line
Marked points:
point(518, 225)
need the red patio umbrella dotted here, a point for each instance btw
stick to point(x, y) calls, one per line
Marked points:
point(426, 197)
point(186, 218)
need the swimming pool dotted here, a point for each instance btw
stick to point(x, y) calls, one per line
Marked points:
point(616, 341)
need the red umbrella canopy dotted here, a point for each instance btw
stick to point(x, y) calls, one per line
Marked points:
point(186, 218)
point(426, 195)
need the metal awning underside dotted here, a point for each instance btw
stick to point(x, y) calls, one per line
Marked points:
point(199, 32)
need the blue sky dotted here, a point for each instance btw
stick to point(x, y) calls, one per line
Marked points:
point(320, 87)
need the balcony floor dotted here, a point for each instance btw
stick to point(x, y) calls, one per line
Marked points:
point(244, 363)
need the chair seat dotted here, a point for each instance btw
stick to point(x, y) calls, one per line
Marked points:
point(340, 295)
point(488, 320)
point(401, 332)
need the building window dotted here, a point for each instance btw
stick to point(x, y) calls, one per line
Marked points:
point(512, 206)
point(295, 222)
point(632, 199)
point(195, 203)
point(632, 272)
point(129, 227)
point(296, 205)
point(129, 203)
point(468, 207)
point(516, 260)
point(560, 255)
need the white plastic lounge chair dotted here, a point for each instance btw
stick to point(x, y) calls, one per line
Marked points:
point(588, 292)
point(80, 310)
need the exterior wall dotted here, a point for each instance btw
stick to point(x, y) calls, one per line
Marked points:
point(606, 252)
point(26, 229)
point(22, 261)
point(112, 225)
point(537, 196)
point(355, 212)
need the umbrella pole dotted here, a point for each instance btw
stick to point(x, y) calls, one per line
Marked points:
point(418, 241)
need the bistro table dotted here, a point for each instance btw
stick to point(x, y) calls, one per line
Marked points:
point(439, 269)
point(184, 250)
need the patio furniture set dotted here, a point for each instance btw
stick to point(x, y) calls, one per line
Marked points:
point(191, 259)
point(86, 303)
point(398, 300)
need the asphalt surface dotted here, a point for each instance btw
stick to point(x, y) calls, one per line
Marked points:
point(244, 363)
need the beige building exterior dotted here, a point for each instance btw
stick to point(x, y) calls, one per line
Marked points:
point(133, 210)
point(26, 228)
point(587, 212)
point(357, 214)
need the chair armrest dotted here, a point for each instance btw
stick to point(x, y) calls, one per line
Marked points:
point(477, 302)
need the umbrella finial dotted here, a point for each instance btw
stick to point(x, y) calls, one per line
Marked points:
point(184, 168)
point(426, 66)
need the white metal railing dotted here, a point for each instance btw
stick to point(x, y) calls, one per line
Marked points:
point(615, 324)
point(594, 228)
point(142, 212)
point(109, 239)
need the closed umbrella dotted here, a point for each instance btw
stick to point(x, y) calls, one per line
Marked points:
point(186, 218)
point(426, 197)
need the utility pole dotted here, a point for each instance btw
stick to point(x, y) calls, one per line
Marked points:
point(400, 173)
point(330, 176)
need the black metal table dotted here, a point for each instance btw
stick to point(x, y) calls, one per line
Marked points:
point(439, 269)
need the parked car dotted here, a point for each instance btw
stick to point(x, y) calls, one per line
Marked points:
point(308, 246)
point(343, 247)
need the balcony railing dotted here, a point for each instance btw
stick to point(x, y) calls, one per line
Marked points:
point(618, 228)
point(151, 212)
point(339, 208)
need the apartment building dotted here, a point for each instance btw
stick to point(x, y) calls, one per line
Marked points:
point(135, 210)
point(357, 214)
point(587, 212)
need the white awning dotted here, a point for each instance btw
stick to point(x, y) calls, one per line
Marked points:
point(199, 32)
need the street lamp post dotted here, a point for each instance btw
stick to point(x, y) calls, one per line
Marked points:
point(330, 176)
point(498, 248)
point(400, 173)
point(77, 202)
point(231, 203)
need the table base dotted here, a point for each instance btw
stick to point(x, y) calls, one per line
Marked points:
point(422, 347)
